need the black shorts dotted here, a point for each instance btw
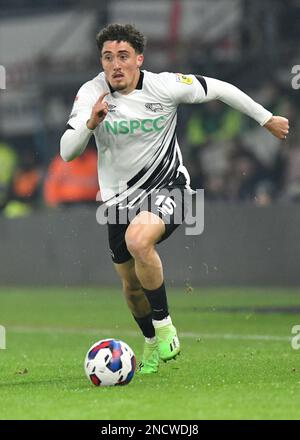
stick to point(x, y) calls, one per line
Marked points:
point(167, 203)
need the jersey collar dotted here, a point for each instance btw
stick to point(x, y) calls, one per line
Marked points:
point(139, 85)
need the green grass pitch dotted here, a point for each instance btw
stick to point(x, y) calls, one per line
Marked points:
point(237, 361)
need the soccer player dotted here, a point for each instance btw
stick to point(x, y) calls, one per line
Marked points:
point(132, 114)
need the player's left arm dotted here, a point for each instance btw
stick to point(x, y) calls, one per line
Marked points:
point(278, 126)
point(193, 89)
point(233, 96)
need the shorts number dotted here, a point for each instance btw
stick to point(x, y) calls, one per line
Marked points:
point(165, 204)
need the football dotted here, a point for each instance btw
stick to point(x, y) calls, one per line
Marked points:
point(110, 362)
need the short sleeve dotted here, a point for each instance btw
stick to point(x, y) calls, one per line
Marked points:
point(185, 88)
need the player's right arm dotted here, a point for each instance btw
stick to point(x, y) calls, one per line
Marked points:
point(85, 117)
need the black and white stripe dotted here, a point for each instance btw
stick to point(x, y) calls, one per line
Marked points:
point(203, 83)
point(160, 171)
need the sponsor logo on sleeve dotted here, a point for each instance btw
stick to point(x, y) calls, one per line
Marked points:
point(185, 79)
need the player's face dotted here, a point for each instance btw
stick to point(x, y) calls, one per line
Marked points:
point(121, 65)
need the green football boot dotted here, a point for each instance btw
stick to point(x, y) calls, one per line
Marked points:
point(168, 343)
point(150, 359)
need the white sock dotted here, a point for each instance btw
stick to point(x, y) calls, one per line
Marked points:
point(151, 340)
point(162, 322)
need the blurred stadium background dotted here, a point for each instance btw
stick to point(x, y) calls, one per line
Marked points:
point(48, 228)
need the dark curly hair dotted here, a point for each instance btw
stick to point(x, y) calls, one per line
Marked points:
point(118, 32)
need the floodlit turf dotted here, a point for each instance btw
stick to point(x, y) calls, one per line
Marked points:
point(236, 362)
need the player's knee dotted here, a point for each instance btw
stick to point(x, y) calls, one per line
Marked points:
point(138, 245)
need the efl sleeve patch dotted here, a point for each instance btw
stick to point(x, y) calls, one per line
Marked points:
point(185, 79)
